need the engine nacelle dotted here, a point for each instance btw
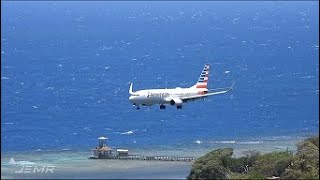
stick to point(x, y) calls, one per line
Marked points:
point(176, 101)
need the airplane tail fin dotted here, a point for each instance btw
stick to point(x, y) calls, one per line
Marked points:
point(130, 89)
point(203, 79)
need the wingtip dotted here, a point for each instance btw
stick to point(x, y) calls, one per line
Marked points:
point(130, 88)
point(231, 87)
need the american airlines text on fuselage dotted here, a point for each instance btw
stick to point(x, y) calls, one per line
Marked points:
point(162, 95)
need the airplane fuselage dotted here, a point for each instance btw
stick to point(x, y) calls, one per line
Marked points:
point(162, 96)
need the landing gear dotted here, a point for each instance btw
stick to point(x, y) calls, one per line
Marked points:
point(179, 107)
point(162, 106)
point(138, 107)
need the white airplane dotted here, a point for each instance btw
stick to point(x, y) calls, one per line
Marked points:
point(178, 95)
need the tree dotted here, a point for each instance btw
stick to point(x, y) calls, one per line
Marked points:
point(272, 164)
point(219, 164)
point(305, 163)
point(314, 140)
point(211, 166)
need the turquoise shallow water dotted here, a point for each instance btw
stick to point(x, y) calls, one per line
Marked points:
point(75, 164)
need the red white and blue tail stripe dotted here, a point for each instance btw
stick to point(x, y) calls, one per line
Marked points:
point(202, 82)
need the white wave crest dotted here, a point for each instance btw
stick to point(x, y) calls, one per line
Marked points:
point(127, 133)
point(66, 149)
point(250, 142)
point(9, 123)
point(225, 142)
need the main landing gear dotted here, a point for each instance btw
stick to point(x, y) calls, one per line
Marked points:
point(137, 106)
point(162, 106)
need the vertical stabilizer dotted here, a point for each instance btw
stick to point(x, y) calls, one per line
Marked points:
point(202, 82)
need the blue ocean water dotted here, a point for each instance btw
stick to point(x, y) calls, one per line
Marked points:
point(66, 68)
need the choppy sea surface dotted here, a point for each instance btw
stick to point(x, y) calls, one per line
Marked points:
point(66, 68)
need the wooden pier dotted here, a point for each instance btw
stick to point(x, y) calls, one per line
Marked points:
point(105, 152)
point(145, 158)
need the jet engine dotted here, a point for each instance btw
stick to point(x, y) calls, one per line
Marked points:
point(176, 101)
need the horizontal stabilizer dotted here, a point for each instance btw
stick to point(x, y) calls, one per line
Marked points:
point(210, 93)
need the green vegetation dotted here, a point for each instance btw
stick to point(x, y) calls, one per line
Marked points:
point(219, 164)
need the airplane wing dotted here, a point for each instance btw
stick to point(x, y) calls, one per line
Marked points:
point(210, 93)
